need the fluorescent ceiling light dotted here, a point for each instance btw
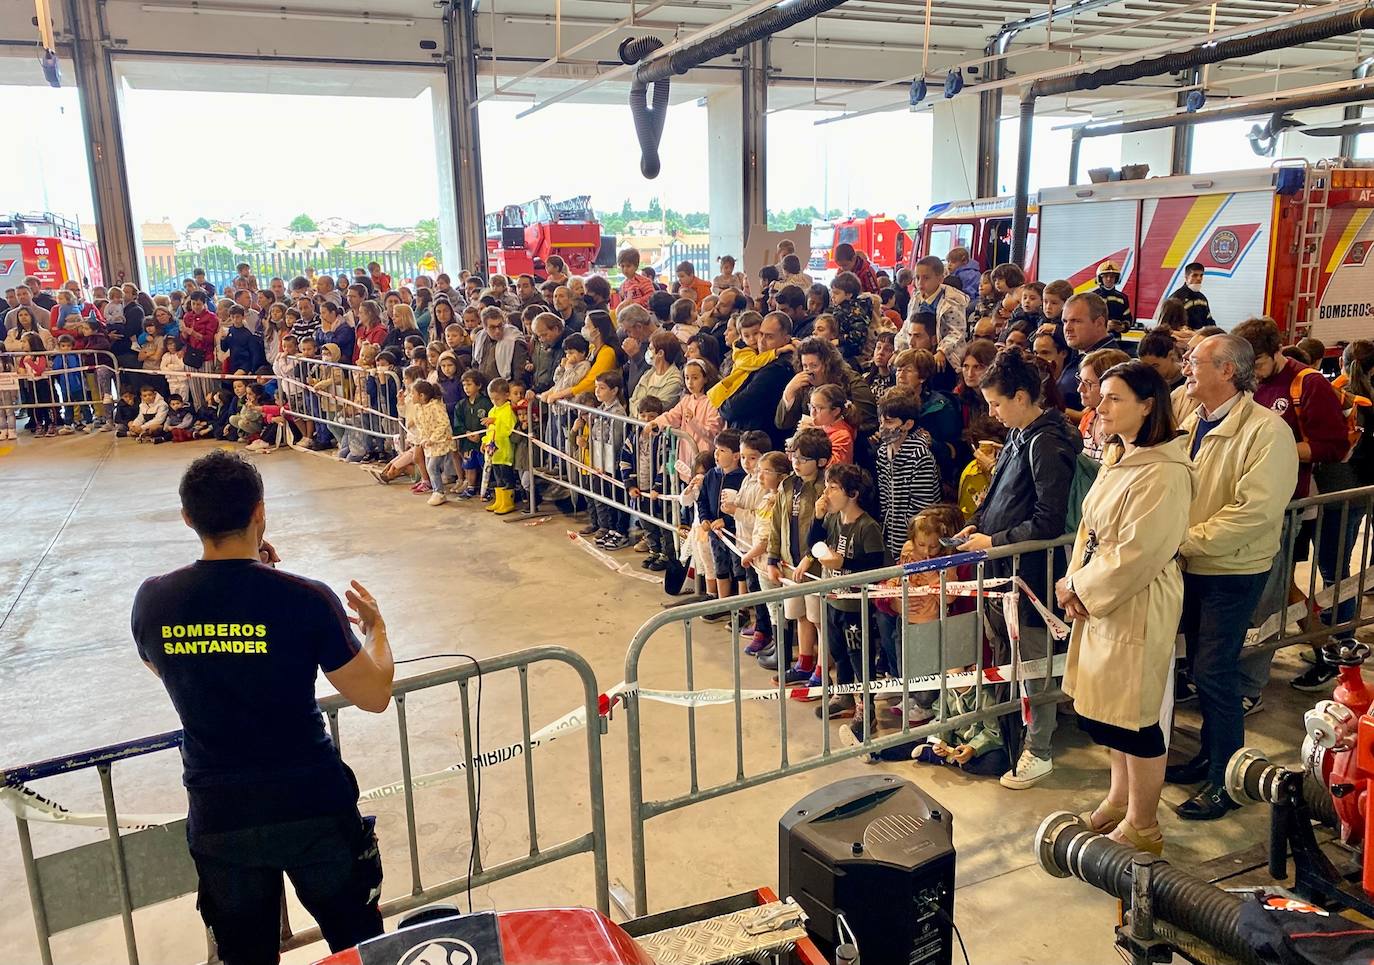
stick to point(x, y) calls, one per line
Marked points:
point(859, 45)
point(546, 20)
point(279, 13)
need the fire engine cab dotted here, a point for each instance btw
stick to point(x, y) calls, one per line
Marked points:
point(1292, 241)
point(46, 247)
point(520, 234)
point(881, 238)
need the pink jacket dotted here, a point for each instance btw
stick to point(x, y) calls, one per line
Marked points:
point(697, 422)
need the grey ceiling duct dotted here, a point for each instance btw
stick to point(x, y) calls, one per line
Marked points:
point(1208, 53)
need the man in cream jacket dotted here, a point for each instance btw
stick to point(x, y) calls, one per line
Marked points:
point(1247, 466)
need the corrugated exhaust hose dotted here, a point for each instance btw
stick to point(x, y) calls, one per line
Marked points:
point(659, 70)
point(648, 120)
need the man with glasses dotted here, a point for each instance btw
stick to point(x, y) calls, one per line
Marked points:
point(1247, 466)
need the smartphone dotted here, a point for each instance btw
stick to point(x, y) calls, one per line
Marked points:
point(951, 542)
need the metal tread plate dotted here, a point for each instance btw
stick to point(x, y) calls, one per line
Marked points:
point(752, 934)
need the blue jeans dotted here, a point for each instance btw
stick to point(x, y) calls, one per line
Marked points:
point(1334, 550)
point(1216, 614)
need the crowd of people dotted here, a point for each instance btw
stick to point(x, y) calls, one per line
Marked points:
point(811, 430)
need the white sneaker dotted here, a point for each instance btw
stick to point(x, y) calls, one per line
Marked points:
point(437, 498)
point(65, 431)
point(1030, 771)
point(257, 445)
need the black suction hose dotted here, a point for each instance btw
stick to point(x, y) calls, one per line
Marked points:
point(1067, 849)
point(1208, 53)
point(1252, 779)
point(648, 120)
point(658, 71)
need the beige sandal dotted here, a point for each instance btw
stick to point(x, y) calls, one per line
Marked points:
point(1112, 816)
point(1149, 839)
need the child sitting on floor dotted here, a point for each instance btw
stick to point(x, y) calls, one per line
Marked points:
point(152, 413)
point(126, 411)
point(976, 747)
point(180, 419)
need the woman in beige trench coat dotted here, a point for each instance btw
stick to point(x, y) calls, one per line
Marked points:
point(1124, 591)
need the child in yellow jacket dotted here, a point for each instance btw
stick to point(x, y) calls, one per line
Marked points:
point(496, 443)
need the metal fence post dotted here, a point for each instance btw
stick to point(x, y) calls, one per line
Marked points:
point(126, 904)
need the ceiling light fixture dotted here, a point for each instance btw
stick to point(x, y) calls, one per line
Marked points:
point(859, 45)
point(279, 13)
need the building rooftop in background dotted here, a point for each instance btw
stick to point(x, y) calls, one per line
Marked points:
point(379, 240)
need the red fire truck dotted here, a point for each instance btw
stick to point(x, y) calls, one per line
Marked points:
point(49, 248)
point(878, 236)
point(1292, 241)
point(520, 233)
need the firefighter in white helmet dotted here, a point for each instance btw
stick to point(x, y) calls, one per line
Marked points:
point(1119, 317)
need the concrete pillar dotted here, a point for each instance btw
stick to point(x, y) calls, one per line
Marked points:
point(754, 135)
point(465, 137)
point(724, 154)
point(1155, 148)
point(442, 113)
point(954, 149)
point(116, 231)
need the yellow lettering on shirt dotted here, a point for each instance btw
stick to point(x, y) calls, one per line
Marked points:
point(213, 642)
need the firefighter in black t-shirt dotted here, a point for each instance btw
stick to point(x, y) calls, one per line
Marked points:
point(1195, 303)
point(238, 645)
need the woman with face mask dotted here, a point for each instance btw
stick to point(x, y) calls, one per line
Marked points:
point(603, 350)
point(664, 378)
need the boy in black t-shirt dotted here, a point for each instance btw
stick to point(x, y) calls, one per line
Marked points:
point(237, 644)
point(854, 543)
point(726, 474)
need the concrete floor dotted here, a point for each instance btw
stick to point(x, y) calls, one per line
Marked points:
point(89, 518)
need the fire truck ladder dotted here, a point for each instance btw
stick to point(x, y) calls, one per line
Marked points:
point(1316, 192)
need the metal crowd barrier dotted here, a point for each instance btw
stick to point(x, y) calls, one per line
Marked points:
point(930, 650)
point(1339, 521)
point(344, 409)
point(578, 447)
point(96, 380)
point(927, 649)
point(126, 872)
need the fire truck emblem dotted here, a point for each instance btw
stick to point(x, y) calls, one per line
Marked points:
point(1224, 247)
point(1280, 903)
point(440, 951)
point(6, 264)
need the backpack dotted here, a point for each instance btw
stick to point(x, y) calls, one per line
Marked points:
point(1085, 469)
point(1351, 404)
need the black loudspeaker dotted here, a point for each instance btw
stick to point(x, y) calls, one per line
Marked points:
point(880, 851)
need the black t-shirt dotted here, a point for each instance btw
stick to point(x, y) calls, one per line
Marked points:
point(860, 544)
point(237, 645)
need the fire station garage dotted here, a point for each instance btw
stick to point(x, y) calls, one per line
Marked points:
point(686, 481)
